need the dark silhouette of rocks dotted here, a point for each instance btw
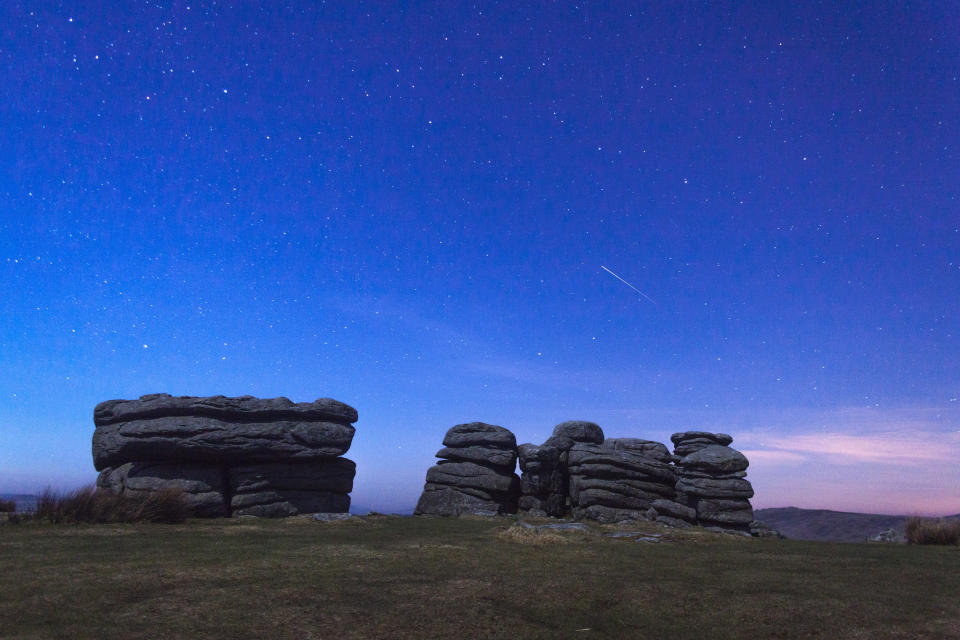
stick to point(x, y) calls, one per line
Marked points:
point(476, 473)
point(230, 456)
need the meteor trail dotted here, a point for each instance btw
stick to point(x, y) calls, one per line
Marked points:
point(629, 285)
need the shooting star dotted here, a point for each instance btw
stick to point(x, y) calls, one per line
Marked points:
point(630, 285)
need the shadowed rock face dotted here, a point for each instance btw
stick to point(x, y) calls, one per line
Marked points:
point(476, 473)
point(202, 485)
point(543, 485)
point(246, 455)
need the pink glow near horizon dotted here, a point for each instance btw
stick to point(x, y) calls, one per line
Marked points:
point(900, 467)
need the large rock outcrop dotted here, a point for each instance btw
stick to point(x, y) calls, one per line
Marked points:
point(243, 456)
point(475, 474)
point(578, 472)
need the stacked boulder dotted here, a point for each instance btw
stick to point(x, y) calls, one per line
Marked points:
point(579, 472)
point(711, 483)
point(475, 474)
point(230, 456)
point(545, 481)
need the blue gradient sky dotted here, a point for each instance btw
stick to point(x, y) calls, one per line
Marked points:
point(406, 206)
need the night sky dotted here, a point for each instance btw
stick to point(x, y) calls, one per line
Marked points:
point(407, 207)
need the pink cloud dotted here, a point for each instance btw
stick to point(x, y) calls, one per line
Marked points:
point(890, 448)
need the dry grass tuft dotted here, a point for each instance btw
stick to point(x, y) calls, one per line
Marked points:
point(522, 535)
point(933, 531)
point(90, 505)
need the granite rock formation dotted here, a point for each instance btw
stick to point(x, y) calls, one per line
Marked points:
point(618, 479)
point(545, 481)
point(475, 474)
point(712, 481)
point(579, 473)
point(243, 456)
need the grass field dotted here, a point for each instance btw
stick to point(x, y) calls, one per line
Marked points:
point(391, 577)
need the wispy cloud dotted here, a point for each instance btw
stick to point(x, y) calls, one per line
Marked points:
point(868, 435)
point(891, 448)
point(766, 456)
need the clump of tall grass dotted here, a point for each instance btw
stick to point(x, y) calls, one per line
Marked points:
point(7, 506)
point(933, 531)
point(92, 505)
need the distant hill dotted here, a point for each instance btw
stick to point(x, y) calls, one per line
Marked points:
point(362, 510)
point(825, 525)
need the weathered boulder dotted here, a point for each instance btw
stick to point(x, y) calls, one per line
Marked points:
point(715, 458)
point(277, 490)
point(442, 500)
point(719, 488)
point(672, 509)
point(476, 473)
point(203, 486)
point(481, 455)
point(686, 442)
point(579, 431)
point(473, 434)
point(471, 475)
point(725, 512)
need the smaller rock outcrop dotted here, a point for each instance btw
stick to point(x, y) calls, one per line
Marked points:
point(711, 481)
point(475, 474)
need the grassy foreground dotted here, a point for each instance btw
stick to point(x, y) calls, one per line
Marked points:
point(391, 577)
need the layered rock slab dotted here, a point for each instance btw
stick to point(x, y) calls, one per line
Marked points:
point(475, 474)
point(158, 428)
